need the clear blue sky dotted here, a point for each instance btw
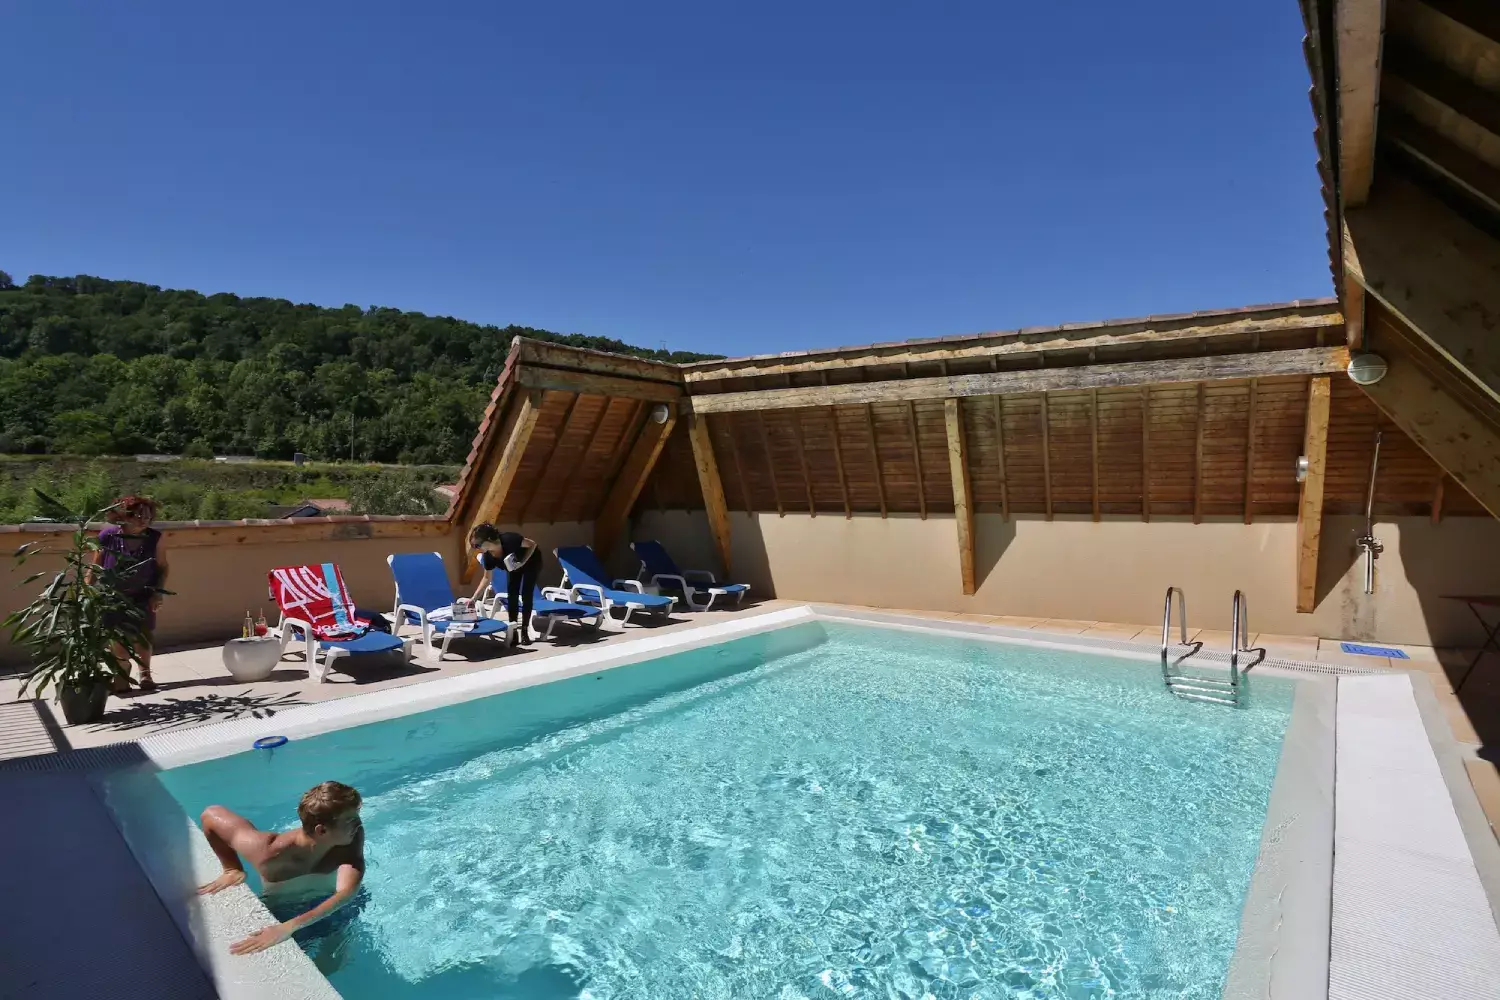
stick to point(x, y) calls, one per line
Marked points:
point(734, 178)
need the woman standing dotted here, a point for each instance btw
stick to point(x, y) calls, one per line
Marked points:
point(522, 560)
point(134, 550)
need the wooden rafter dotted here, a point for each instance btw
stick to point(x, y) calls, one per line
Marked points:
point(599, 385)
point(1437, 499)
point(547, 461)
point(838, 461)
point(1200, 368)
point(1198, 460)
point(1094, 445)
point(916, 456)
point(875, 456)
point(1358, 29)
point(714, 504)
point(765, 447)
point(567, 486)
point(632, 476)
point(1000, 458)
point(812, 507)
point(1254, 389)
point(1310, 503)
point(963, 508)
point(1146, 453)
point(1046, 457)
point(516, 433)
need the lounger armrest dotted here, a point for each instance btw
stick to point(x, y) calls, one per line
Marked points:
point(557, 594)
point(699, 576)
point(287, 621)
point(587, 589)
point(421, 613)
point(635, 586)
point(673, 579)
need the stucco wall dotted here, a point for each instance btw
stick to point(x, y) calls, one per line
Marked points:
point(1115, 570)
point(215, 584)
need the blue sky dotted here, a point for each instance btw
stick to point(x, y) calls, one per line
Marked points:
point(733, 178)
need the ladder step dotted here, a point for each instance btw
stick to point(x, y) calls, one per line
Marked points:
point(1208, 689)
point(1176, 679)
point(1203, 697)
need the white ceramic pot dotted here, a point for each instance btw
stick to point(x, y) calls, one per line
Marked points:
point(252, 659)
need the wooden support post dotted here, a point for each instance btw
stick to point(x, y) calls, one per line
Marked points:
point(1146, 453)
point(536, 487)
point(875, 456)
point(567, 486)
point(812, 507)
point(765, 447)
point(632, 477)
point(1437, 499)
point(1310, 506)
point(1046, 458)
point(916, 456)
point(1000, 456)
point(1250, 453)
point(713, 489)
point(1198, 462)
point(1094, 444)
point(963, 508)
point(838, 461)
point(516, 434)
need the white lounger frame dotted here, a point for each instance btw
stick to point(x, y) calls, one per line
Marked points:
point(331, 655)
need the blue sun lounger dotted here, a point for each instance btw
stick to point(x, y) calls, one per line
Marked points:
point(658, 568)
point(424, 598)
point(584, 575)
point(549, 604)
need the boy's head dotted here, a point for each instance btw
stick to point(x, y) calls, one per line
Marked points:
point(330, 812)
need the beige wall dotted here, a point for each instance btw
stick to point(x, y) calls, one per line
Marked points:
point(215, 584)
point(1115, 570)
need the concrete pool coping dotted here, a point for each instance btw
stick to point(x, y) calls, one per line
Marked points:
point(1289, 889)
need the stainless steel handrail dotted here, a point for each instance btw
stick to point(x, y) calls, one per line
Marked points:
point(1166, 628)
point(1239, 636)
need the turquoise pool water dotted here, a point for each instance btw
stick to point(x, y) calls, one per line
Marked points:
point(822, 811)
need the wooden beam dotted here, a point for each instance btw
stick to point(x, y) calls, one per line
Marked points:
point(567, 487)
point(1198, 461)
point(1354, 312)
point(765, 447)
point(875, 457)
point(963, 507)
point(632, 477)
point(1250, 452)
point(1094, 445)
point(1407, 67)
point(1146, 453)
point(1454, 164)
point(812, 507)
point(547, 354)
point(1203, 368)
point(1289, 318)
point(598, 385)
point(1000, 458)
point(547, 462)
point(838, 461)
point(516, 433)
point(739, 467)
point(1046, 458)
point(1310, 505)
point(1433, 270)
point(1437, 499)
point(916, 456)
point(1359, 27)
point(714, 504)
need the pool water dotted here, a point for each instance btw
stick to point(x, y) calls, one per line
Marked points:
point(821, 811)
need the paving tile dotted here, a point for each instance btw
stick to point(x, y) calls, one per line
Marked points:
point(1329, 652)
point(1287, 647)
point(1485, 778)
point(1015, 621)
point(1126, 633)
point(1063, 626)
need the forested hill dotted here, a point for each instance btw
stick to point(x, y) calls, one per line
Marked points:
point(92, 366)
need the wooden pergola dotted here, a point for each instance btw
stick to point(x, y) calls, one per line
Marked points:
point(1197, 416)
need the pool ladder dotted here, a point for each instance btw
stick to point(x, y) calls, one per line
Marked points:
point(1227, 691)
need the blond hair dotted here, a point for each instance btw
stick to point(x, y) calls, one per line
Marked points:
point(323, 804)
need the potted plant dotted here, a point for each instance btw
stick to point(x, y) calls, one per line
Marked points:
point(75, 628)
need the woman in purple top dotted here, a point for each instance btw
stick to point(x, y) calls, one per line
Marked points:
point(129, 545)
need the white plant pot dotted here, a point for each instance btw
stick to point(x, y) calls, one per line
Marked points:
point(252, 659)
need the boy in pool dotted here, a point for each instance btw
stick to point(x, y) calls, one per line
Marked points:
point(298, 863)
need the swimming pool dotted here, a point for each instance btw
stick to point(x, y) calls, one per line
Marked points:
point(826, 809)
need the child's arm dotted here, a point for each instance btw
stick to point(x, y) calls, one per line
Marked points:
point(346, 885)
point(224, 830)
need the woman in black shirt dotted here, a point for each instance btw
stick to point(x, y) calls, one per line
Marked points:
point(522, 560)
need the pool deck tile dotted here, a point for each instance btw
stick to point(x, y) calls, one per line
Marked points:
point(1123, 633)
point(1063, 626)
point(1485, 777)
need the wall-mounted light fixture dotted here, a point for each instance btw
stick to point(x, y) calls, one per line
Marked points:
point(1366, 368)
point(1301, 468)
point(659, 413)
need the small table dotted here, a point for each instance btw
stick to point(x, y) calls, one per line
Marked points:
point(252, 659)
point(1475, 602)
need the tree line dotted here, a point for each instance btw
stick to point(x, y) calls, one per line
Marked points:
point(94, 366)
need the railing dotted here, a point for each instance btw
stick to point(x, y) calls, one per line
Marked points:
point(1166, 629)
